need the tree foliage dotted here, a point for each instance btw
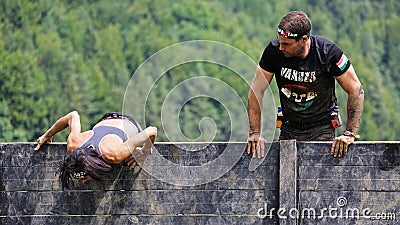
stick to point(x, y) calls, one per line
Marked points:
point(59, 56)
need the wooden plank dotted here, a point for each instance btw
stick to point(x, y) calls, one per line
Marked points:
point(222, 202)
point(367, 167)
point(37, 173)
point(53, 154)
point(288, 177)
point(140, 219)
point(122, 178)
point(384, 155)
point(327, 177)
point(349, 207)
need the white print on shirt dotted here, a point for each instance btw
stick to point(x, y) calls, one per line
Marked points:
point(299, 76)
point(298, 93)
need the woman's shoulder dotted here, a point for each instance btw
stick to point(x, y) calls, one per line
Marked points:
point(74, 141)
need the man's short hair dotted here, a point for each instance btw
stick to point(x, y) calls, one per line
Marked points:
point(295, 23)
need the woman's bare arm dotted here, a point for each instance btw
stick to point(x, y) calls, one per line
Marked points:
point(126, 149)
point(70, 120)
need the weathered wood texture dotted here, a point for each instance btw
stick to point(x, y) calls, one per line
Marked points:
point(301, 178)
point(30, 192)
point(288, 178)
point(360, 188)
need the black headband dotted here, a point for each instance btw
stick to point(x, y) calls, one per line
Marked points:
point(289, 35)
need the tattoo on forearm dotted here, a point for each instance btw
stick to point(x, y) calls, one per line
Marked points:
point(254, 114)
point(253, 131)
point(354, 110)
point(361, 91)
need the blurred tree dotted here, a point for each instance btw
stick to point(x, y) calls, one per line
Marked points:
point(59, 56)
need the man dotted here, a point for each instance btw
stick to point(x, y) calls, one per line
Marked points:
point(306, 67)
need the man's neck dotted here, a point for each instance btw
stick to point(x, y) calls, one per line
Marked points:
point(307, 48)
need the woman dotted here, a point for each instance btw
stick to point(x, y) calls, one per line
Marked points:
point(114, 138)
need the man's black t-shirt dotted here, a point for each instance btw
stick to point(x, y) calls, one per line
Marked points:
point(306, 86)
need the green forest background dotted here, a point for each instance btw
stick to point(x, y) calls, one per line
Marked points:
point(58, 56)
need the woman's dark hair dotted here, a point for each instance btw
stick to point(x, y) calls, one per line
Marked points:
point(82, 161)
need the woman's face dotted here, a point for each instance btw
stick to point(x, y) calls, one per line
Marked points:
point(83, 180)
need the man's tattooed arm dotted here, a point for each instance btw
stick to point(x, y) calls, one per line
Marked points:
point(355, 104)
